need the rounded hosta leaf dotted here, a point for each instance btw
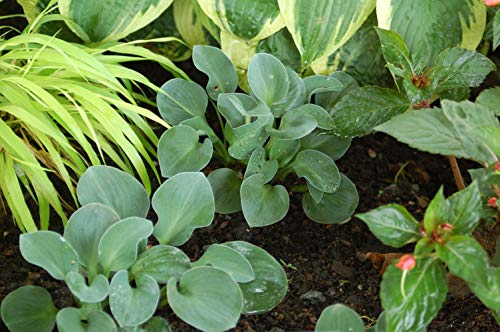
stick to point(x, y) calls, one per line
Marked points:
point(226, 185)
point(183, 203)
point(249, 137)
point(206, 298)
point(156, 324)
point(179, 151)
point(259, 165)
point(132, 306)
point(339, 318)
point(233, 107)
point(262, 204)
point(115, 189)
point(50, 251)
point(180, 100)
point(318, 169)
point(222, 77)
point(28, 309)
point(119, 244)
point(321, 84)
point(295, 96)
point(322, 117)
point(334, 208)
point(329, 99)
point(161, 263)
point(283, 150)
point(229, 261)
point(268, 78)
point(96, 292)
point(71, 320)
point(331, 145)
point(294, 125)
point(270, 285)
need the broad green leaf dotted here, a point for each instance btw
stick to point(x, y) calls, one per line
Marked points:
point(257, 164)
point(332, 145)
point(183, 203)
point(115, 189)
point(179, 150)
point(465, 207)
point(180, 100)
point(228, 260)
point(283, 150)
point(118, 247)
point(281, 46)
point(156, 324)
point(339, 318)
point(437, 212)
point(161, 263)
point(233, 106)
point(96, 292)
point(99, 21)
point(249, 137)
point(28, 309)
point(396, 53)
point(329, 99)
point(206, 298)
point(392, 224)
point(222, 77)
point(268, 78)
point(296, 95)
point(202, 128)
point(263, 204)
point(133, 305)
point(226, 185)
point(320, 27)
point(322, 117)
point(365, 108)
point(334, 208)
point(318, 169)
point(50, 251)
point(425, 288)
point(316, 194)
point(71, 320)
point(294, 125)
point(320, 84)
point(491, 99)
point(270, 285)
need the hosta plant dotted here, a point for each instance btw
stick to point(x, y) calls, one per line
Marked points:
point(262, 138)
point(119, 281)
point(414, 288)
point(339, 318)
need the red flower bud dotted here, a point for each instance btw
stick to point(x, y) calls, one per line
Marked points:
point(491, 3)
point(492, 203)
point(446, 227)
point(497, 165)
point(406, 262)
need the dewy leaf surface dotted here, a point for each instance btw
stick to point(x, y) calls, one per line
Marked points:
point(339, 318)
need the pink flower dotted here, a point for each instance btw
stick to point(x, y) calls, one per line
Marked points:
point(497, 165)
point(492, 202)
point(406, 262)
point(491, 3)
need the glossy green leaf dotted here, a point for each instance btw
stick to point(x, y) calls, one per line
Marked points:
point(490, 98)
point(296, 95)
point(316, 194)
point(96, 292)
point(118, 247)
point(228, 260)
point(464, 212)
point(226, 185)
point(392, 224)
point(133, 305)
point(322, 117)
point(339, 318)
point(283, 150)
point(222, 77)
point(318, 169)
point(183, 203)
point(233, 106)
point(320, 84)
point(263, 204)
point(396, 53)
point(257, 164)
point(71, 320)
point(424, 287)
point(206, 298)
point(496, 30)
point(328, 99)
point(268, 78)
point(179, 151)
point(436, 212)
point(180, 100)
point(115, 189)
point(28, 309)
point(161, 263)
point(249, 137)
point(270, 285)
point(331, 145)
point(50, 251)
point(294, 125)
point(334, 208)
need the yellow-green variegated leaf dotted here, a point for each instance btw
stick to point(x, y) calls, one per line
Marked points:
point(101, 21)
point(189, 25)
point(429, 26)
point(320, 27)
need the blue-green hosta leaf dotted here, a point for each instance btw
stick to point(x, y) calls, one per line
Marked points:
point(132, 306)
point(329, 99)
point(50, 251)
point(202, 128)
point(183, 203)
point(96, 292)
point(294, 125)
point(321, 83)
point(465, 209)
point(161, 263)
point(435, 25)
point(156, 324)
point(104, 21)
point(226, 185)
point(115, 189)
point(249, 137)
point(263, 204)
point(491, 98)
point(334, 208)
point(281, 45)
point(179, 151)
point(118, 247)
point(29, 308)
point(360, 111)
point(316, 194)
point(392, 224)
point(425, 288)
point(268, 78)
point(259, 165)
point(228, 260)
point(339, 318)
point(320, 27)
point(322, 117)
point(270, 285)
point(283, 150)
point(233, 106)
point(296, 96)
point(180, 100)
point(331, 145)
point(318, 169)
point(222, 77)
point(71, 320)
point(206, 298)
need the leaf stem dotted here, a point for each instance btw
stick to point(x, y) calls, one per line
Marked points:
point(402, 285)
point(459, 180)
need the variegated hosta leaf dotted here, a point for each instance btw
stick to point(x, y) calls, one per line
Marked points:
point(189, 24)
point(101, 21)
point(320, 27)
point(435, 25)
